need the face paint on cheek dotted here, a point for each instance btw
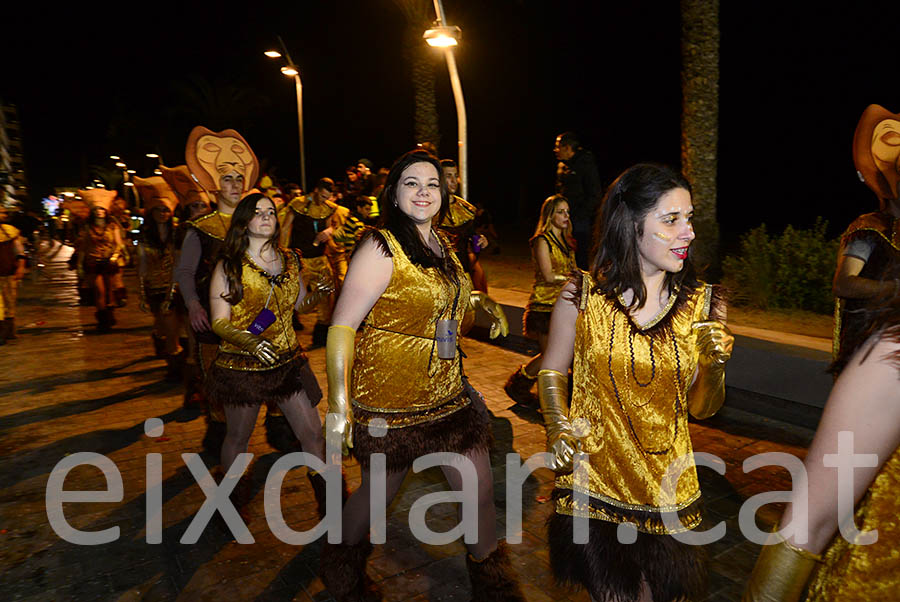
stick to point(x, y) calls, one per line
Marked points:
point(662, 238)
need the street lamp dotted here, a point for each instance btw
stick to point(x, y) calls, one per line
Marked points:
point(446, 37)
point(290, 69)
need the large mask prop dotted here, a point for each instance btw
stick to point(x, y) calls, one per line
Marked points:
point(154, 192)
point(210, 155)
point(99, 197)
point(185, 187)
point(876, 152)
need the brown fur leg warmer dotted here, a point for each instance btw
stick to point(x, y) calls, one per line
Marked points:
point(342, 568)
point(493, 577)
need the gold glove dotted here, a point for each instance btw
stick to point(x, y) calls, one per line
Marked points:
point(780, 574)
point(314, 295)
point(499, 325)
point(553, 389)
point(263, 350)
point(339, 362)
point(715, 343)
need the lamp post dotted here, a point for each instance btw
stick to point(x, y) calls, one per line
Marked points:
point(290, 69)
point(446, 37)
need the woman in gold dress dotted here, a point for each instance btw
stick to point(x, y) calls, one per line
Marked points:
point(255, 289)
point(862, 417)
point(99, 251)
point(404, 289)
point(649, 346)
point(553, 256)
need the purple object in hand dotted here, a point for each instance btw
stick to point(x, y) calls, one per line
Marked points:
point(265, 319)
point(476, 243)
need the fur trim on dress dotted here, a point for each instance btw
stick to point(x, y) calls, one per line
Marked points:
point(468, 429)
point(613, 572)
point(253, 388)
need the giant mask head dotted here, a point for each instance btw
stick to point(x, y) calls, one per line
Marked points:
point(876, 152)
point(210, 155)
point(99, 197)
point(185, 187)
point(154, 191)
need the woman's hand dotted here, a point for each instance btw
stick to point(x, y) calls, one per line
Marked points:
point(261, 348)
point(707, 394)
point(714, 341)
point(499, 325)
point(339, 351)
point(197, 316)
point(562, 442)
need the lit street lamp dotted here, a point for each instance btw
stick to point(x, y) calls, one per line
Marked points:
point(445, 36)
point(290, 69)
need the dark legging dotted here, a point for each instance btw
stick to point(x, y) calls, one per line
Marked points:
point(357, 516)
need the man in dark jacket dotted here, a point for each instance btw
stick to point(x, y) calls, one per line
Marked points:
point(577, 179)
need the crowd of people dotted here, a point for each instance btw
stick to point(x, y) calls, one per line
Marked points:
point(632, 342)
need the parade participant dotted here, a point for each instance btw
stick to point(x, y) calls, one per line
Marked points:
point(12, 271)
point(120, 217)
point(193, 202)
point(872, 242)
point(223, 163)
point(156, 264)
point(100, 252)
point(460, 228)
point(864, 404)
point(649, 345)
point(554, 262)
point(255, 289)
point(405, 286)
point(308, 227)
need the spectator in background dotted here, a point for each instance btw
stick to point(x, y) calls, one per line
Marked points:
point(366, 178)
point(578, 180)
point(459, 225)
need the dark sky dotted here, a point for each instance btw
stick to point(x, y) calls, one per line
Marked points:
point(795, 76)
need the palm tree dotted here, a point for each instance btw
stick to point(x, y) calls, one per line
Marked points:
point(700, 119)
point(423, 68)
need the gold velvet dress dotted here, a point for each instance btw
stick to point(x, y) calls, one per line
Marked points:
point(630, 385)
point(238, 377)
point(159, 262)
point(398, 377)
point(536, 320)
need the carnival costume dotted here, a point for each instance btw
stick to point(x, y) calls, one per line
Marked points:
point(630, 393)
point(433, 410)
point(536, 320)
point(238, 376)
point(12, 269)
point(308, 220)
point(426, 403)
point(101, 252)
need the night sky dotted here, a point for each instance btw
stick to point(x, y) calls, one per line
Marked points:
point(795, 77)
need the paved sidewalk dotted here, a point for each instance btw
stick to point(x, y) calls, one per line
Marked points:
point(66, 389)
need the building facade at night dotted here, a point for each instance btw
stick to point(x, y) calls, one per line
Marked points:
point(13, 181)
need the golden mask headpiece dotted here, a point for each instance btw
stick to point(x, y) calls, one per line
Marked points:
point(210, 155)
point(154, 191)
point(876, 152)
point(185, 187)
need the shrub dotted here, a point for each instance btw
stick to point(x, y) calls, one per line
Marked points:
point(790, 271)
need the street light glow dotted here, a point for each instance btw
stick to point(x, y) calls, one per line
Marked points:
point(152, 156)
point(129, 183)
point(272, 54)
point(157, 172)
point(120, 164)
point(131, 171)
point(115, 157)
point(290, 70)
point(442, 36)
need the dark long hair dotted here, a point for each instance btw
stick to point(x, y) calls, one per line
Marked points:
point(150, 231)
point(402, 227)
point(616, 263)
point(236, 242)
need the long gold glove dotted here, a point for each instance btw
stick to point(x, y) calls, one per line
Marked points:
point(499, 325)
point(314, 295)
point(715, 343)
point(263, 350)
point(780, 574)
point(562, 442)
point(339, 362)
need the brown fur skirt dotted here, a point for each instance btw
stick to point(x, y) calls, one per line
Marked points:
point(465, 430)
point(536, 323)
point(613, 572)
point(253, 388)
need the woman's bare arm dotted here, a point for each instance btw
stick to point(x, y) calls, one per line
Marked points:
point(367, 278)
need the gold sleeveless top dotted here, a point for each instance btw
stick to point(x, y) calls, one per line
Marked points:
point(258, 286)
point(101, 244)
point(397, 372)
point(855, 573)
point(562, 261)
point(630, 386)
point(160, 262)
